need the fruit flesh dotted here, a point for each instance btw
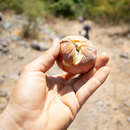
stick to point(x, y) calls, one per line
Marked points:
point(78, 53)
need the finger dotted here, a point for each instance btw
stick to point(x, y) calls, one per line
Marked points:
point(95, 82)
point(44, 62)
point(68, 97)
point(101, 60)
point(83, 78)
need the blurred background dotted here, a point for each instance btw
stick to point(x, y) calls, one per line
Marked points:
point(28, 28)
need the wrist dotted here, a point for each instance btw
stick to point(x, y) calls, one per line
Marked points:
point(7, 122)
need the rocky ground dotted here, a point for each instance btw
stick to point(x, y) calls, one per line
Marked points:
point(109, 107)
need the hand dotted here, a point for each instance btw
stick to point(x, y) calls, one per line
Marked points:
point(42, 102)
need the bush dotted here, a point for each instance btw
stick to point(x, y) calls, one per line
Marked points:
point(63, 8)
point(112, 9)
point(32, 9)
point(12, 4)
point(30, 30)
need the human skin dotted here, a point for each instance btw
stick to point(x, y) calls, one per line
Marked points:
point(42, 102)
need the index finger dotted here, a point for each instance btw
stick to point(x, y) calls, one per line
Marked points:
point(90, 87)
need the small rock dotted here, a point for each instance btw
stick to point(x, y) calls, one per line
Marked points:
point(128, 119)
point(5, 50)
point(5, 39)
point(3, 92)
point(19, 26)
point(124, 56)
point(53, 36)
point(1, 79)
point(21, 57)
point(128, 35)
point(43, 47)
point(81, 19)
point(15, 38)
point(41, 28)
point(14, 76)
point(19, 17)
point(2, 107)
point(10, 57)
point(39, 21)
point(116, 33)
point(83, 32)
point(1, 17)
point(3, 103)
point(6, 25)
point(4, 44)
point(18, 72)
point(39, 46)
point(45, 30)
point(23, 43)
point(125, 111)
point(100, 103)
point(45, 39)
point(1, 53)
point(1, 48)
point(119, 42)
point(127, 103)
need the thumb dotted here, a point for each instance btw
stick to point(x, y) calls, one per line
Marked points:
point(46, 61)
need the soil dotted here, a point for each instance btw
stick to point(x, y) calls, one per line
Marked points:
point(109, 107)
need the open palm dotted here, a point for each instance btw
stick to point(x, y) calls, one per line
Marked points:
point(41, 102)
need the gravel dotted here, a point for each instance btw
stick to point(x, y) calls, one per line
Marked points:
point(128, 119)
point(10, 57)
point(21, 57)
point(3, 92)
point(124, 56)
point(39, 46)
point(1, 79)
point(15, 38)
point(6, 25)
point(4, 44)
point(1, 17)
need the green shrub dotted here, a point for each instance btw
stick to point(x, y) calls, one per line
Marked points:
point(64, 8)
point(30, 30)
point(112, 9)
point(12, 4)
point(32, 9)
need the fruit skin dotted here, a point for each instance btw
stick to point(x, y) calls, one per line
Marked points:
point(77, 55)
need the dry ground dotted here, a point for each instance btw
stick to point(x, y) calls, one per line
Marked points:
point(109, 107)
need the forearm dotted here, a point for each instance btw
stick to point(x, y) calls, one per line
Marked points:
point(7, 123)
